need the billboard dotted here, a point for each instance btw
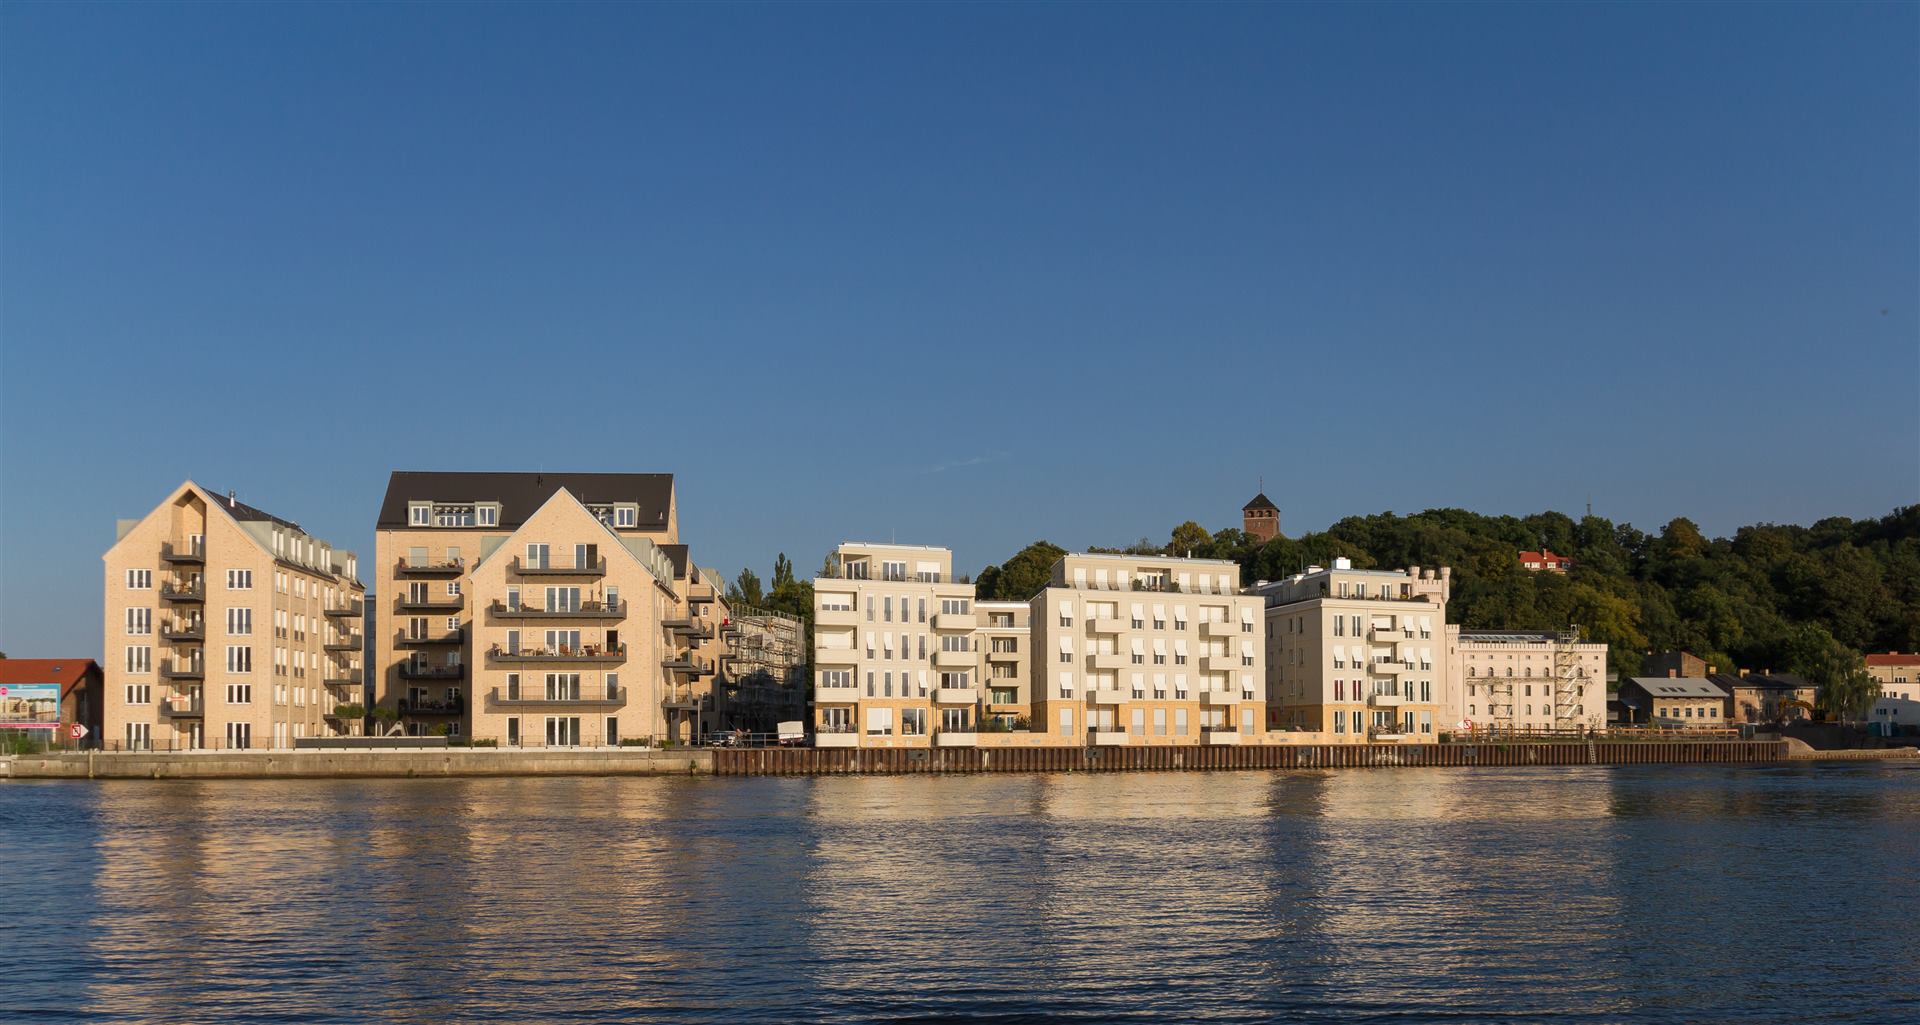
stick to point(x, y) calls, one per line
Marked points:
point(29, 706)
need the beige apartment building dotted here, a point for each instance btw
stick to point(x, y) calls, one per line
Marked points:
point(1897, 710)
point(539, 609)
point(227, 627)
point(1525, 680)
point(1358, 654)
point(1006, 673)
point(696, 641)
point(896, 650)
point(1146, 650)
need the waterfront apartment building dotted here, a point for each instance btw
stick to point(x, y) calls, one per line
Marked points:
point(763, 669)
point(227, 627)
point(1526, 680)
point(896, 650)
point(1146, 650)
point(537, 609)
point(1897, 710)
point(1358, 654)
point(1006, 669)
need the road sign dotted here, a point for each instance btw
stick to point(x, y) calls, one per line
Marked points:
point(77, 730)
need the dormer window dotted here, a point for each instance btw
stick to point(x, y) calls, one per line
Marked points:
point(487, 515)
point(626, 516)
point(420, 514)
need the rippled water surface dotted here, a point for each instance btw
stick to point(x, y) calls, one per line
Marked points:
point(1636, 894)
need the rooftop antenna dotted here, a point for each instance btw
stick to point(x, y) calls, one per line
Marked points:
point(1589, 503)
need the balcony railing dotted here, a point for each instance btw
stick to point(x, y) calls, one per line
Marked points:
point(183, 592)
point(188, 554)
point(586, 654)
point(432, 603)
point(403, 639)
point(343, 678)
point(559, 567)
point(428, 568)
point(688, 665)
point(411, 707)
point(193, 632)
point(586, 610)
point(532, 695)
point(414, 671)
point(349, 610)
point(681, 697)
point(351, 641)
point(192, 708)
point(189, 670)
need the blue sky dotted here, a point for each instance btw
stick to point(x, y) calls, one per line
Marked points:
point(968, 275)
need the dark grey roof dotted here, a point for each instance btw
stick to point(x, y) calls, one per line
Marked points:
point(521, 494)
point(1768, 681)
point(1261, 501)
point(677, 554)
point(245, 513)
point(1678, 686)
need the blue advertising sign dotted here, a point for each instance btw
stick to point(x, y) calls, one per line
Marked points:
point(29, 706)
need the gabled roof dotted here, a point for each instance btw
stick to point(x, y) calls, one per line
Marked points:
point(1764, 681)
point(1260, 501)
point(522, 494)
point(67, 672)
point(242, 511)
point(1545, 556)
point(1894, 658)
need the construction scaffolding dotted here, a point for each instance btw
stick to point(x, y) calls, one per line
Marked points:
point(1567, 682)
point(764, 670)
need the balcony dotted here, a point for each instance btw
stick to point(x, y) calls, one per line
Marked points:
point(595, 567)
point(585, 655)
point(351, 641)
point(955, 738)
point(952, 621)
point(1387, 734)
point(532, 696)
point(1106, 627)
point(1386, 668)
point(682, 698)
point(587, 610)
point(184, 555)
point(1108, 697)
point(431, 603)
point(1214, 629)
point(1219, 736)
point(428, 568)
point(1217, 698)
point(1222, 663)
point(414, 671)
point(405, 640)
point(699, 593)
point(184, 593)
point(835, 617)
point(1385, 634)
point(842, 736)
point(1113, 660)
point(836, 695)
point(1003, 656)
point(409, 707)
point(184, 633)
point(836, 656)
point(193, 708)
point(956, 695)
point(1384, 699)
point(192, 669)
point(343, 678)
point(1107, 738)
point(351, 610)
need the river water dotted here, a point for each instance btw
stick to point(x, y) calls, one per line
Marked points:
point(1606, 894)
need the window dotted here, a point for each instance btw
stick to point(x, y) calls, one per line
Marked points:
point(913, 722)
point(419, 514)
point(240, 658)
point(487, 515)
point(239, 693)
point(139, 736)
point(1139, 722)
point(139, 694)
point(1179, 722)
point(139, 658)
point(1159, 722)
point(139, 622)
point(626, 516)
point(239, 621)
point(140, 580)
point(1066, 722)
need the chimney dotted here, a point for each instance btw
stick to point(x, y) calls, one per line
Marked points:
point(231, 503)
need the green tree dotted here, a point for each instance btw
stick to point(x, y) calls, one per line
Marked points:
point(746, 590)
point(1189, 538)
point(1020, 577)
point(1839, 673)
point(782, 570)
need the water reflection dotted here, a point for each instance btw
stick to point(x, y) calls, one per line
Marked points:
point(1585, 893)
